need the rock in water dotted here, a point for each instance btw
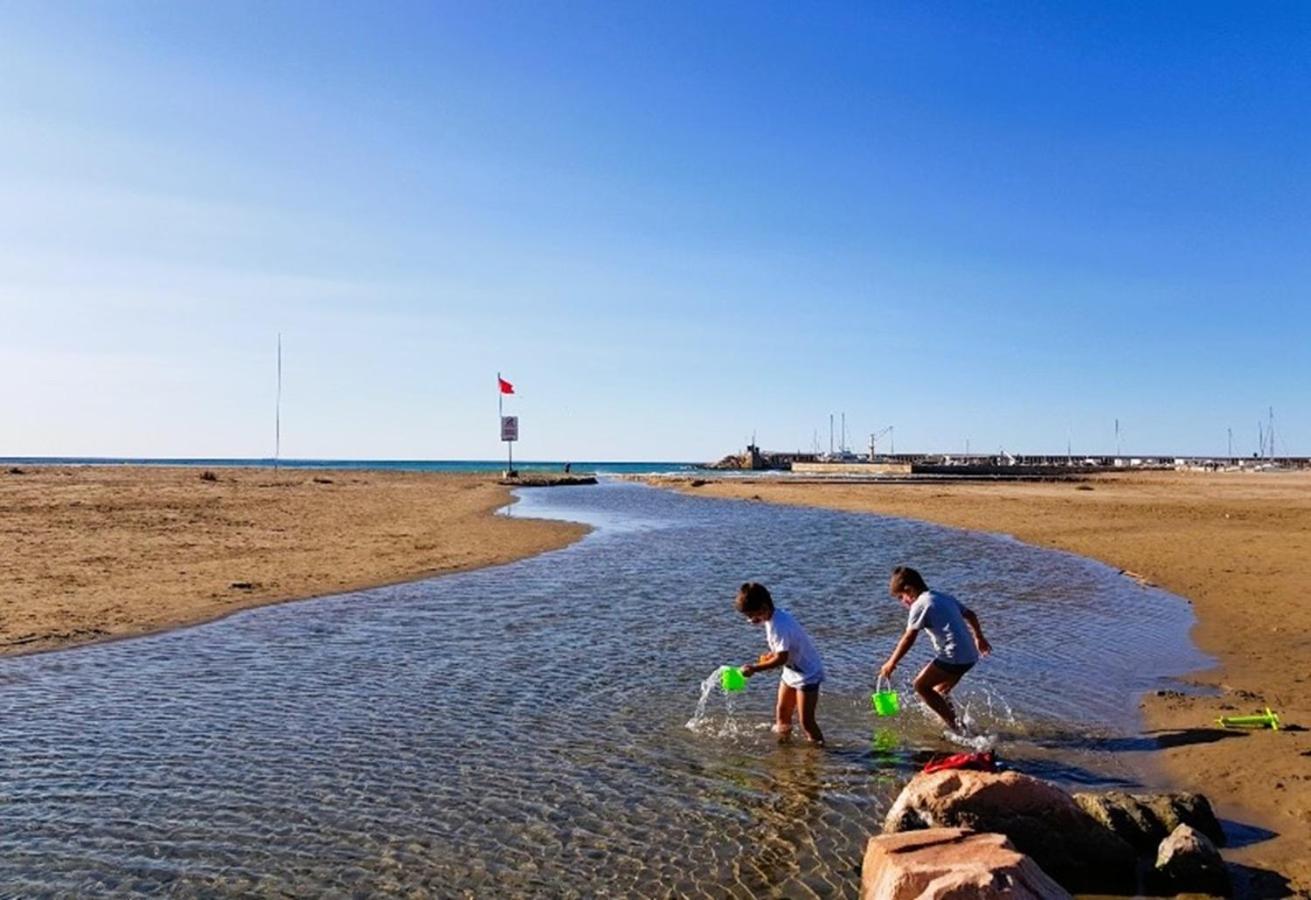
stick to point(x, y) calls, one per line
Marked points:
point(951, 863)
point(1040, 819)
point(1187, 862)
point(1144, 820)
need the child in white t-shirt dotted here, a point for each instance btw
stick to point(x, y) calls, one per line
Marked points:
point(790, 648)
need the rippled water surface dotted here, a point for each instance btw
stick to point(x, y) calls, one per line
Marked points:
point(523, 730)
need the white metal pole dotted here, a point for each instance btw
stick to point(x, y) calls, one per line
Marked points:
point(277, 411)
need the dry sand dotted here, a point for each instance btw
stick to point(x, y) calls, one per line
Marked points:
point(1238, 546)
point(91, 553)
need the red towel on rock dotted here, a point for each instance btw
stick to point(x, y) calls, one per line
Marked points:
point(980, 762)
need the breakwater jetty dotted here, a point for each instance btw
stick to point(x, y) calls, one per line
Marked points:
point(981, 465)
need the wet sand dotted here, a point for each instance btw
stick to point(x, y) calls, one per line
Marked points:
point(100, 552)
point(1238, 546)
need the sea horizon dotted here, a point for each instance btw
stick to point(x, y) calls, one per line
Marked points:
point(617, 467)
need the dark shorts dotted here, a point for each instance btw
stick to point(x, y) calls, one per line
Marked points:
point(952, 668)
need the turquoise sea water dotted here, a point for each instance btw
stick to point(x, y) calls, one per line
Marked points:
point(406, 465)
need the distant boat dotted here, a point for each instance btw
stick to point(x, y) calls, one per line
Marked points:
point(843, 456)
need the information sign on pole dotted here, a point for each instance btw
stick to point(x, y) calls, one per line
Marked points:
point(509, 428)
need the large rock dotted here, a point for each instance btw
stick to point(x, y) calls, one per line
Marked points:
point(1041, 820)
point(951, 864)
point(1187, 862)
point(1144, 820)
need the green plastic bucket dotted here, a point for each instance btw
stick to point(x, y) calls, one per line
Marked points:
point(732, 680)
point(885, 702)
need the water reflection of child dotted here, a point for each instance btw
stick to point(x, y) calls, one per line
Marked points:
point(790, 648)
point(954, 630)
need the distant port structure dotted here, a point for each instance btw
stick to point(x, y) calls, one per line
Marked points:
point(987, 465)
point(840, 460)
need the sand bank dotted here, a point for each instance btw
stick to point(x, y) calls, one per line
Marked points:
point(1238, 546)
point(91, 553)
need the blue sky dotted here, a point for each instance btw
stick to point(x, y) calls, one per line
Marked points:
point(671, 225)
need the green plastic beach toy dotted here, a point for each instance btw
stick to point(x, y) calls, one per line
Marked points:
point(885, 702)
point(1266, 719)
point(732, 680)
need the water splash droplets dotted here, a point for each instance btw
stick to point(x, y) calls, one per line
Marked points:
point(703, 722)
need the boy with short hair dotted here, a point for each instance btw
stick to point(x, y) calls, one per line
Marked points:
point(790, 649)
point(954, 630)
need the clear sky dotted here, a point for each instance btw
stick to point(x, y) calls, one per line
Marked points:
point(669, 224)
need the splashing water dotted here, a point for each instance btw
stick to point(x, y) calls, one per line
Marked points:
point(703, 722)
point(976, 742)
point(984, 714)
point(998, 707)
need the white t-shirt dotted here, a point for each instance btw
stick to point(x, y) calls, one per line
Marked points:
point(804, 666)
point(941, 615)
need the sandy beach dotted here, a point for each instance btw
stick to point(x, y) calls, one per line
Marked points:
point(99, 552)
point(94, 553)
point(1238, 546)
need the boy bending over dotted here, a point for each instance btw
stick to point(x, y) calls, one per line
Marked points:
point(954, 630)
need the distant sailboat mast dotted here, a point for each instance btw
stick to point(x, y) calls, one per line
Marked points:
point(277, 411)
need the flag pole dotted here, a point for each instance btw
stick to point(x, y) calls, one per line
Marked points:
point(500, 420)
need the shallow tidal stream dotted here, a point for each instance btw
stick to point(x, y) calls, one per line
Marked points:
point(523, 730)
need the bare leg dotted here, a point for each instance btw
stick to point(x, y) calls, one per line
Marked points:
point(933, 685)
point(808, 701)
point(783, 710)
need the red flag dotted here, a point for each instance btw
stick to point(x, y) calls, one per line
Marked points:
point(506, 387)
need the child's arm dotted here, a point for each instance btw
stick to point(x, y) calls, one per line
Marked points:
point(979, 640)
point(766, 661)
point(903, 647)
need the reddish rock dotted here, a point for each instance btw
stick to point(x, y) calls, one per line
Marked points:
point(951, 864)
point(1041, 820)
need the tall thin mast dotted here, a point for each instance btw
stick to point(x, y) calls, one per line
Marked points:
point(277, 411)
